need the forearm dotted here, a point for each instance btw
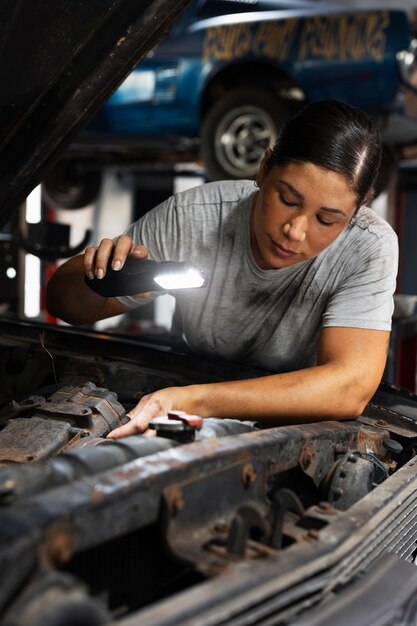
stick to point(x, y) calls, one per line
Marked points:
point(70, 299)
point(314, 394)
point(351, 364)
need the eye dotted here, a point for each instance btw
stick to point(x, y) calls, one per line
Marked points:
point(323, 221)
point(287, 202)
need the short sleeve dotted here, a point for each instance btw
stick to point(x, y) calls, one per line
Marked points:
point(364, 299)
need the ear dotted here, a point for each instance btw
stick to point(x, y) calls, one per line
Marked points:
point(263, 167)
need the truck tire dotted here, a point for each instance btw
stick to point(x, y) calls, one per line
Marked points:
point(237, 130)
point(71, 185)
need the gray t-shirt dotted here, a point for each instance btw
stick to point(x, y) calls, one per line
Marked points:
point(269, 318)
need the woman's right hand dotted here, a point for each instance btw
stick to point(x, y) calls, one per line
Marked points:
point(69, 298)
point(96, 258)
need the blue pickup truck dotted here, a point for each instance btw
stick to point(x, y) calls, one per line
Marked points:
point(230, 72)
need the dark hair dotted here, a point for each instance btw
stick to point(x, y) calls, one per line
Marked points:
point(336, 136)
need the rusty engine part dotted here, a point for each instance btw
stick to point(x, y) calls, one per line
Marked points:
point(58, 422)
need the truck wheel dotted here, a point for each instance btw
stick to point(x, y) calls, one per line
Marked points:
point(236, 131)
point(71, 185)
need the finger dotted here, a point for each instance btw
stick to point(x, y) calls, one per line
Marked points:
point(102, 257)
point(140, 251)
point(121, 250)
point(147, 408)
point(89, 261)
point(134, 427)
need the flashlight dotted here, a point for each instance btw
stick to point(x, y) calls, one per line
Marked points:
point(143, 275)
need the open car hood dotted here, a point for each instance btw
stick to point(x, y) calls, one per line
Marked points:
point(59, 61)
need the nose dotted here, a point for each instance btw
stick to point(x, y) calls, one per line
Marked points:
point(296, 228)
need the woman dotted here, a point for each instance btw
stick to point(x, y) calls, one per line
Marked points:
point(301, 277)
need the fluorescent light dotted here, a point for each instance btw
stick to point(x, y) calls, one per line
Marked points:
point(32, 286)
point(33, 206)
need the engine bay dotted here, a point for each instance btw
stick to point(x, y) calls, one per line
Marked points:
point(112, 527)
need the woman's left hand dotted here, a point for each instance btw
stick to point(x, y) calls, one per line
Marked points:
point(150, 406)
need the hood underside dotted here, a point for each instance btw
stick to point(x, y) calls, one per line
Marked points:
point(59, 61)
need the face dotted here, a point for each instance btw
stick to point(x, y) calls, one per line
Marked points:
point(299, 210)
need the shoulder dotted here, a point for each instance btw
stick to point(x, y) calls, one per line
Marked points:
point(368, 224)
point(368, 243)
point(368, 235)
point(215, 194)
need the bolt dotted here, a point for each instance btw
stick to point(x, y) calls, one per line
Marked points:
point(248, 475)
point(325, 507)
point(175, 500)
point(220, 527)
point(10, 484)
point(177, 504)
point(337, 492)
point(352, 458)
point(381, 423)
point(58, 548)
point(306, 461)
point(313, 533)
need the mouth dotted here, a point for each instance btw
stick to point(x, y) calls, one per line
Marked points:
point(283, 252)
